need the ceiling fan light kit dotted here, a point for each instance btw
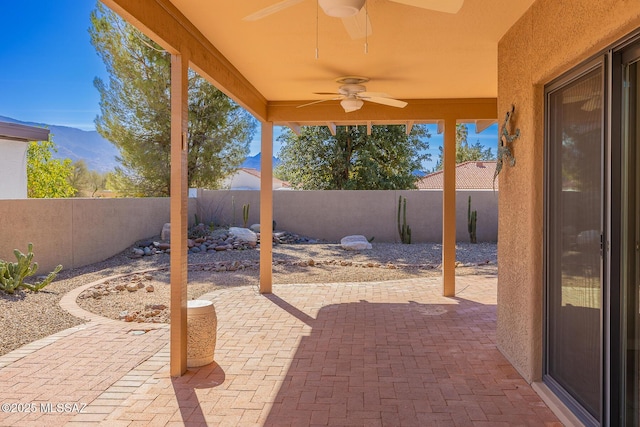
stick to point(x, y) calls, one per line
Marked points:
point(352, 93)
point(351, 104)
point(341, 8)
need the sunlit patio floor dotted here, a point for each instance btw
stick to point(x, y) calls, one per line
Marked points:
point(376, 354)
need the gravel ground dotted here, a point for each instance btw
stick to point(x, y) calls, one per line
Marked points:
point(28, 316)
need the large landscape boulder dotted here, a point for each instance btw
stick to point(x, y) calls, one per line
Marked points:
point(355, 243)
point(165, 234)
point(243, 234)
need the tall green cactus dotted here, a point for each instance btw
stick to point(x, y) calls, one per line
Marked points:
point(472, 218)
point(245, 215)
point(403, 229)
point(12, 274)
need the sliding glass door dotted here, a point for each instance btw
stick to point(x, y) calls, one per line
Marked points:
point(630, 239)
point(574, 262)
point(592, 238)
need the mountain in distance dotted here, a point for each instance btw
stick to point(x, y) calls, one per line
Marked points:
point(98, 153)
point(254, 162)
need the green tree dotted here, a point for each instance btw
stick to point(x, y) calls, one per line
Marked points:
point(464, 151)
point(78, 177)
point(352, 160)
point(86, 182)
point(136, 114)
point(47, 177)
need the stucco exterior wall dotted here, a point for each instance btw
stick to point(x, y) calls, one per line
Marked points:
point(552, 37)
point(331, 215)
point(13, 169)
point(77, 232)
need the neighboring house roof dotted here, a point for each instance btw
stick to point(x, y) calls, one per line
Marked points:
point(16, 132)
point(473, 175)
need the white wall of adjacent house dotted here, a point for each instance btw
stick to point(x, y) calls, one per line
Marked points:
point(243, 180)
point(13, 169)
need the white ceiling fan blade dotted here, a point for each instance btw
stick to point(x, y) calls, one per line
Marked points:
point(386, 101)
point(271, 10)
point(447, 6)
point(373, 95)
point(358, 25)
point(317, 102)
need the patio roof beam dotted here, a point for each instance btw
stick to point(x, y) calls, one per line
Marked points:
point(167, 26)
point(409, 126)
point(482, 125)
point(418, 111)
point(295, 128)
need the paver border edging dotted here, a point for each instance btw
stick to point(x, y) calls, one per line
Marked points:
point(68, 303)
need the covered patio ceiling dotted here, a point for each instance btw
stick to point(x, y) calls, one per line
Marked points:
point(432, 60)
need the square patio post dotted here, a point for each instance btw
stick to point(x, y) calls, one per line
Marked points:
point(449, 210)
point(179, 206)
point(266, 208)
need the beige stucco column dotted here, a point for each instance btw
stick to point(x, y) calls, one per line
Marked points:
point(449, 210)
point(179, 193)
point(266, 209)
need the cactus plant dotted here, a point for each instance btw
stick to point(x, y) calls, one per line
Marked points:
point(245, 215)
point(403, 229)
point(12, 274)
point(472, 218)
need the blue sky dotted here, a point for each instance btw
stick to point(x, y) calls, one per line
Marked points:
point(48, 66)
point(48, 63)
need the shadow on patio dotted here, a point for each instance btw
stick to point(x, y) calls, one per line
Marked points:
point(402, 364)
point(392, 354)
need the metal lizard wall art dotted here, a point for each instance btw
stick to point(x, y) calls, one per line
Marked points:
point(503, 149)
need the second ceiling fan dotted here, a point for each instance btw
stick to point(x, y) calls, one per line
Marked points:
point(354, 16)
point(352, 93)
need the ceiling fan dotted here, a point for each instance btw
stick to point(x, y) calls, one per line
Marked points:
point(353, 13)
point(352, 94)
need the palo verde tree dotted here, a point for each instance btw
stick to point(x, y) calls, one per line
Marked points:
point(47, 177)
point(135, 114)
point(352, 160)
point(464, 151)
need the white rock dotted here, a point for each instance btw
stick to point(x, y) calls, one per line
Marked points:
point(255, 228)
point(243, 234)
point(355, 243)
point(166, 232)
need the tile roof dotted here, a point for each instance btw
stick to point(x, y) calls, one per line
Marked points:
point(472, 175)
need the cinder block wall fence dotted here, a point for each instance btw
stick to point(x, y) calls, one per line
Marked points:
point(331, 215)
point(77, 232)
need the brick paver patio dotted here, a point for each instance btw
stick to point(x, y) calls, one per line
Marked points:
point(375, 354)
